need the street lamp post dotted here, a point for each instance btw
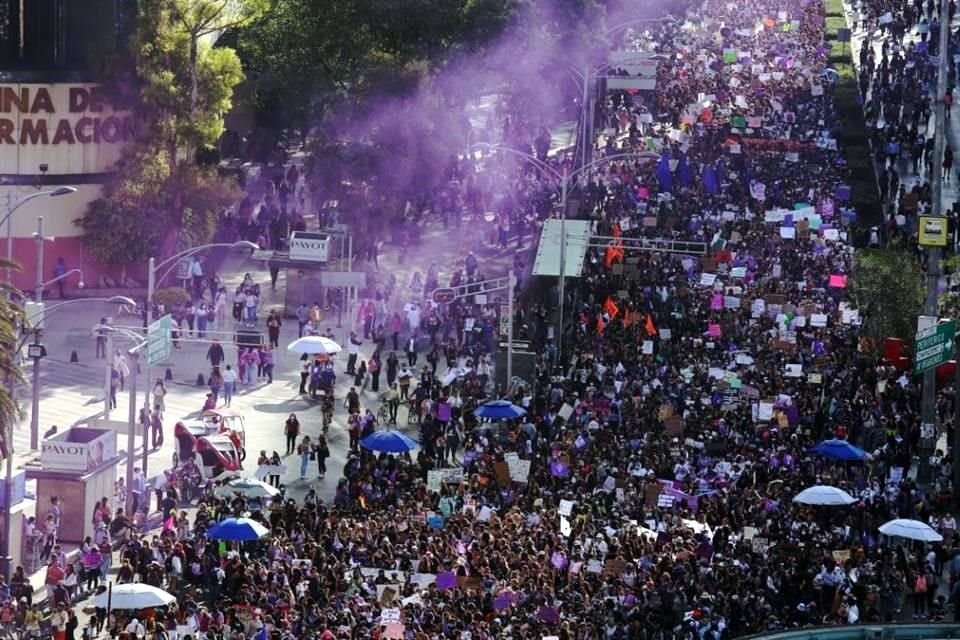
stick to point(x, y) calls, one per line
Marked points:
point(564, 179)
point(152, 268)
point(59, 191)
point(5, 559)
point(35, 415)
point(134, 352)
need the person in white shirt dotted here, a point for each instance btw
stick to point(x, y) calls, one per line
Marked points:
point(250, 302)
point(229, 384)
point(135, 628)
point(120, 364)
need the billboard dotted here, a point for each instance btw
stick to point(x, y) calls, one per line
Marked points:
point(79, 449)
point(70, 128)
point(932, 231)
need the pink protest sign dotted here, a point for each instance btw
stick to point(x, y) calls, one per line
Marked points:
point(713, 330)
point(717, 302)
point(838, 281)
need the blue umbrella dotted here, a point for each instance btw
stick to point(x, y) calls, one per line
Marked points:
point(499, 410)
point(389, 442)
point(839, 450)
point(240, 529)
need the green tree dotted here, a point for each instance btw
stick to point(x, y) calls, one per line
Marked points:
point(887, 287)
point(145, 204)
point(187, 84)
point(184, 87)
point(11, 375)
point(304, 57)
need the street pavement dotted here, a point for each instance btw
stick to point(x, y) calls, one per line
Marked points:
point(860, 38)
point(72, 393)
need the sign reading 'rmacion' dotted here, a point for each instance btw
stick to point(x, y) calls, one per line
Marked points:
point(35, 115)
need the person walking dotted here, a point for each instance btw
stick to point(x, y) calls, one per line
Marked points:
point(156, 430)
point(374, 368)
point(393, 366)
point(393, 402)
point(250, 362)
point(100, 332)
point(305, 450)
point(291, 429)
point(215, 354)
point(215, 382)
point(229, 385)
point(322, 451)
point(159, 393)
point(114, 385)
point(273, 328)
point(303, 316)
point(266, 362)
point(276, 468)
point(120, 362)
point(353, 349)
point(305, 367)
point(412, 349)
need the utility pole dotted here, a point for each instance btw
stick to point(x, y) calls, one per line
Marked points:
point(928, 414)
point(563, 266)
point(132, 434)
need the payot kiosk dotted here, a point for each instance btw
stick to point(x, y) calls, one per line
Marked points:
point(79, 467)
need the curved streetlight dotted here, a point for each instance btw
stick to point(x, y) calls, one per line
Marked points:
point(564, 179)
point(583, 79)
point(34, 320)
point(134, 352)
point(34, 325)
point(152, 268)
point(53, 193)
point(629, 23)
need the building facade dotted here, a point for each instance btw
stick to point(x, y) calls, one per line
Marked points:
point(57, 125)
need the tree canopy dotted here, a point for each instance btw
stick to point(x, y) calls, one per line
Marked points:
point(887, 286)
point(183, 87)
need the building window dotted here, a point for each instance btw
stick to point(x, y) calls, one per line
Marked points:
point(60, 34)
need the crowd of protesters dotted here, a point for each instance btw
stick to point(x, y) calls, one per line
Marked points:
point(647, 491)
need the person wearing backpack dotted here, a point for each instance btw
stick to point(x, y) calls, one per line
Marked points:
point(322, 452)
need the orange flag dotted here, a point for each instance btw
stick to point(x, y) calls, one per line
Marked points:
point(651, 329)
point(600, 325)
point(611, 308)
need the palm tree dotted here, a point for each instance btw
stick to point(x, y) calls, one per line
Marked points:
point(11, 319)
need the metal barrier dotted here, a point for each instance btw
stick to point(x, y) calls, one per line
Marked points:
point(664, 245)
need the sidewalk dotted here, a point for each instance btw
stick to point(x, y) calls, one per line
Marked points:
point(904, 167)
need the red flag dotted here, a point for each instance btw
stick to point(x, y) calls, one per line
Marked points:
point(651, 329)
point(600, 325)
point(611, 308)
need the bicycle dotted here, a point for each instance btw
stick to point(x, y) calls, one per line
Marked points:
point(383, 413)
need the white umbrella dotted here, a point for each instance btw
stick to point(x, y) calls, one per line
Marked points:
point(248, 488)
point(133, 595)
point(911, 529)
point(825, 496)
point(314, 344)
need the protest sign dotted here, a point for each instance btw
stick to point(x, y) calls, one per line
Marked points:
point(520, 471)
point(389, 615)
